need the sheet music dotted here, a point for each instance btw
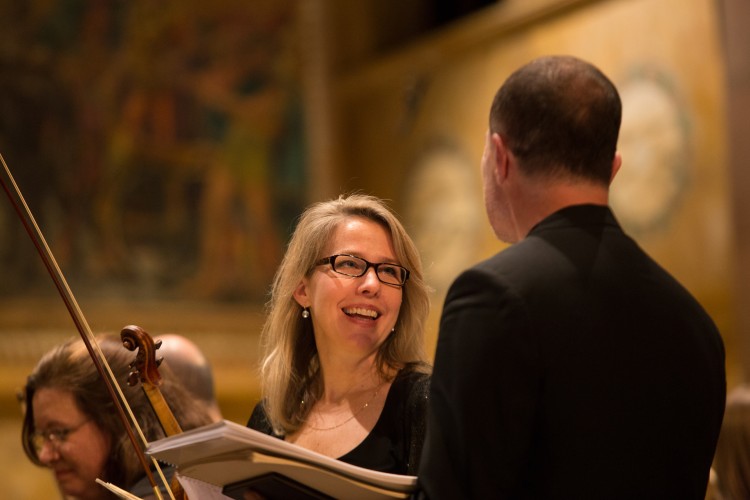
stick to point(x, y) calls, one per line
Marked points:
point(195, 488)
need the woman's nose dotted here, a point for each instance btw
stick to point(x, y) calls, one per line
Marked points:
point(370, 281)
point(48, 453)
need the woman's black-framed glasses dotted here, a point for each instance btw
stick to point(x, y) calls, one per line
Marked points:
point(349, 265)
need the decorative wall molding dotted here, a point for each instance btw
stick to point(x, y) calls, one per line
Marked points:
point(431, 51)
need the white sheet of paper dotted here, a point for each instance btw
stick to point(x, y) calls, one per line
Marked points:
point(195, 488)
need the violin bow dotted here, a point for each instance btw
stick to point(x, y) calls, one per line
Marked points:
point(105, 371)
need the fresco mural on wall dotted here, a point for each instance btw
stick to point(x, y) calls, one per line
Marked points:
point(159, 144)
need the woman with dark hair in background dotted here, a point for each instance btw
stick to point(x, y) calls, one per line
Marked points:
point(70, 424)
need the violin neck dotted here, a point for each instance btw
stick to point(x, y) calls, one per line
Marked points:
point(160, 406)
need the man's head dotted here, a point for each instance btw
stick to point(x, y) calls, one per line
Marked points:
point(551, 143)
point(560, 117)
point(191, 367)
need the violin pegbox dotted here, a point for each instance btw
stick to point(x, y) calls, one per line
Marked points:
point(145, 366)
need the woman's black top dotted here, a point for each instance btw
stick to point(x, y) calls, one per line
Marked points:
point(395, 443)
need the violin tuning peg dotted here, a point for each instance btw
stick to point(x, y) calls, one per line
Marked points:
point(157, 344)
point(158, 361)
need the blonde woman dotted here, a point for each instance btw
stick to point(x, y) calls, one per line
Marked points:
point(344, 372)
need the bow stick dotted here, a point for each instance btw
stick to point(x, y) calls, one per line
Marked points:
point(32, 229)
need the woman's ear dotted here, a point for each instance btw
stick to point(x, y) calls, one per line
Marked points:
point(300, 294)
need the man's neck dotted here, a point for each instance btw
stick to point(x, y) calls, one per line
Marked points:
point(540, 202)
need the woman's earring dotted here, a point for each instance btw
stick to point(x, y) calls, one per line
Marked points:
point(305, 313)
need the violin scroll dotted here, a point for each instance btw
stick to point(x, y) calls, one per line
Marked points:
point(145, 366)
point(146, 370)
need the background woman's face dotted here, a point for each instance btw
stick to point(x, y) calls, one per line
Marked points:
point(78, 459)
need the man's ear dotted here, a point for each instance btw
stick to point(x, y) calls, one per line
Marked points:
point(501, 158)
point(300, 294)
point(616, 164)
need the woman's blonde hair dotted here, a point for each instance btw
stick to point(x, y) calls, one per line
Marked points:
point(290, 371)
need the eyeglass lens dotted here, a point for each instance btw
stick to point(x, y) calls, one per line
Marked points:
point(391, 274)
point(54, 436)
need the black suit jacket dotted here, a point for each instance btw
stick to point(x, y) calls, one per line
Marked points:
point(571, 365)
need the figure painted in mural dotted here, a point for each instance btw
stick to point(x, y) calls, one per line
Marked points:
point(571, 364)
point(252, 171)
point(71, 426)
point(344, 372)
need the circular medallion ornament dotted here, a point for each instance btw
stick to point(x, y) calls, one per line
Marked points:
point(654, 148)
point(444, 212)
